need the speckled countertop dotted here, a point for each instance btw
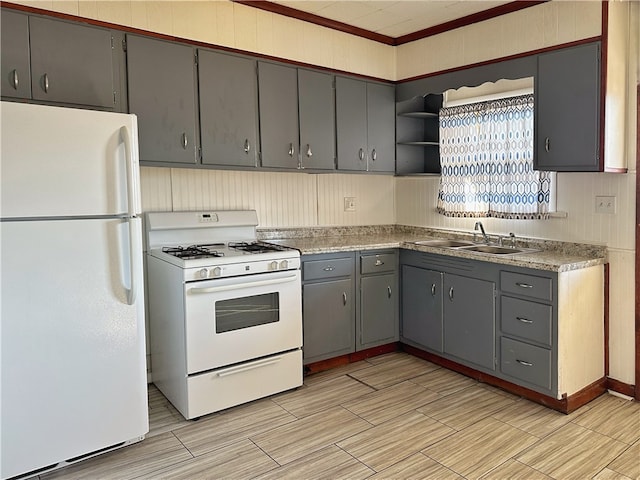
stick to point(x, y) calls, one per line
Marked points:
point(548, 255)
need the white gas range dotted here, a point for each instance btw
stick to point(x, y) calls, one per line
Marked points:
point(225, 310)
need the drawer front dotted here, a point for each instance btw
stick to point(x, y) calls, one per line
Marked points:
point(526, 362)
point(528, 285)
point(384, 262)
point(525, 319)
point(318, 269)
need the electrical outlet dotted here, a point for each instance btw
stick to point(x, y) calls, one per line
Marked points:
point(349, 204)
point(605, 204)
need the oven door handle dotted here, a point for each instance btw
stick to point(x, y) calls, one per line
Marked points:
point(251, 366)
point(235, 286)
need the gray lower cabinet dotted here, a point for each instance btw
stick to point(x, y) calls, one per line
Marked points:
point(228, 109)
point(365, 123)
point(55, 61)
point(422, 308)
point(164, 99)
point(378, 305)
point(567, 115)
point(328, 306)
point(469, 319)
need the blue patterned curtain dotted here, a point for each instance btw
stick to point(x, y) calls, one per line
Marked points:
point(486, 157)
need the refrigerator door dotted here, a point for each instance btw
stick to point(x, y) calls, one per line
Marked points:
point(73, 373)
point(66, 162)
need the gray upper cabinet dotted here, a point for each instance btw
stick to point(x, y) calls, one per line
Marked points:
point(567, 116)
point(278, 87)
point(16, 69)
point(365, 122)
point(228, 109)
point(54, 61)
point(71, 63)
point(381, 127)
point(316, 105)
point(162, 93)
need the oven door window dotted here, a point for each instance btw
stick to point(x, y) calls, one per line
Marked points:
point(246, 312)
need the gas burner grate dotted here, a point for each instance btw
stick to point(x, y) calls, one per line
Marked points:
point(195, 251)
point(255, 247)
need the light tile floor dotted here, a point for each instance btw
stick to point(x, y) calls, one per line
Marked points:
point(389, 417)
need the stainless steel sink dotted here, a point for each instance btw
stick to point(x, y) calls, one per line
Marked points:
point(444, 243)
point(494, 249)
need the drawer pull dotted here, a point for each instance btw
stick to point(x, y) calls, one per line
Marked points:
point(329, 269)
point(523, 285)
point(526, 364)
point(379, 262)
point(524, 320)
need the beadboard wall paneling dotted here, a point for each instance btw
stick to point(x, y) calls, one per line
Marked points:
point(281, 199)
point(374, 194)
point(544, 25)
point(155, 187)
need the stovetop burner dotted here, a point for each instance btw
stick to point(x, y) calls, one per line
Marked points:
point(195, 251)
point(255, 247)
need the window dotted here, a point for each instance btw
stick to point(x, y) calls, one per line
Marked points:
point(486, 155)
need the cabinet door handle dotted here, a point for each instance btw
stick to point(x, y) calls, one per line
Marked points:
point(523, 285)
point(433, 289)
point(361, 154)
point(309, 152)
point(547, 144)
point(291, 150)
point(388, 292)
point(451, 294)
point(523, 363)
point(14, 79)
point(185, 141)
point(45, 83)
point(247, 146)
point(524, 320)
point(344, 298)
point(374, 155)
point(328, 269)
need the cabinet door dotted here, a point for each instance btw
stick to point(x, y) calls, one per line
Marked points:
point(351, 124)
point(567, 111)
point(422, 307)
point(278, 87)
point(328, 319)
point(378, 310)
point(317, 120)
point(162, 94)
point(16, 71)
point(469, 320)
point(71, 63)
point(228, 109)
point(381, 112)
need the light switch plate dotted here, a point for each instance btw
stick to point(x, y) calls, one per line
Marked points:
point(605, 204)
point(349, 204)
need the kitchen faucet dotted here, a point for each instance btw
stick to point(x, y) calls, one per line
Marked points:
point(484, 235)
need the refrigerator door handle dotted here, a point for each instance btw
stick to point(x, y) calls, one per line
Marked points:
point(134, 260)
point(131, 194)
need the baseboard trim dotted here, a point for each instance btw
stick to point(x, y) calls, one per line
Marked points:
point(334, 362)
point(621, 387)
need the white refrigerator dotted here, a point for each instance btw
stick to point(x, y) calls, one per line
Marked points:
point(73, 372)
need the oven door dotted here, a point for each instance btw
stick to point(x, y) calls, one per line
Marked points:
point(232, 320)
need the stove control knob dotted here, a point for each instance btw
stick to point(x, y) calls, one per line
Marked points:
point(217, 272)
point(273, 265)
point(204, 273)
point(284, 264)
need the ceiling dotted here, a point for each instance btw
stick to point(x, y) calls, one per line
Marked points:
point(392, 18)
